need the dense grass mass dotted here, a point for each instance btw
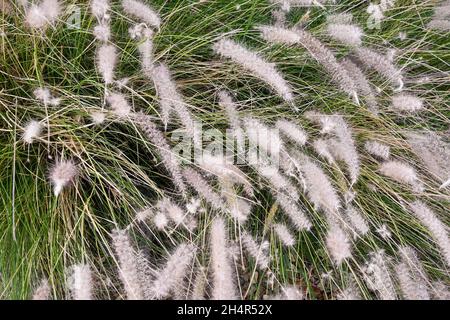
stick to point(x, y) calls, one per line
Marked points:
point(120, 170)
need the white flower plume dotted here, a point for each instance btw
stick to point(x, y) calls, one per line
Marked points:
point(255, 64)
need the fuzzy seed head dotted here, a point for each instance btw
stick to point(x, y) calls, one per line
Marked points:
point(357, 222)
point(223, 275)
point(171, 276)
point(346, 33)
point(160, 220)
point(62, 174)
point(119, 104)
point(106, 62)
point(97, 117)
point(378, 276)
point(255, 64)
point(43, 14)
point(284, 234)
point(377, 149)
point(436, 227)
point(100, 8)
point(142, 12)
point(128, 264)
point(407, 103)
point(102, 32)
point(32, 131)
point(80, 282)
point(35, 17)
point(255, 250)
point(292, 131)
point(43, 291)
point(400, 172)
point(338, 245)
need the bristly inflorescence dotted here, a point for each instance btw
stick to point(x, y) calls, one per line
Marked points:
point(441, 17)
point(317, 50)
point(251, 61)
point(43, 14)
point(62, 174)
point(331, 182)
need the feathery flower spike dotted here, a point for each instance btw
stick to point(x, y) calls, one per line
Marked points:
point(357, 222)
point(62, 174)
point(97, 117)
point(345, 150)
point(351, 292)
point(434, 153)
point(118, 104)
point(42, 292)
point(169, 159)
point(401, 172)
point(440, 290)
point(38, 16)
point(363, 86)
point(32, 131)
point(199, 286)
point(406, 103)
point(102, 32)
point(377, 149)
point(317, 50)
point(436, 227)
point(266, 138)
point(279, 182)
point(142, 12)
point(320, 191)
point(439, 25)
point(225, 170)
point(298, 218)
point(128, 268)
point(100, 8)
point(412, 277)
point(106, 62)
point(284, 234)
point(44, 95)
point(80, 282)
point(338, 244)
point(257, 251)
point(170, 100)
point(378, 276)
point(171, 276)
point(292, 131)
point(145, 49)
point(223, 287)
point(254, 63)
point(160, 221)
point(322, 148)
point(239, 208)
point(227, 103)
point(348, 34)
point(378, 62)
point(203, 188)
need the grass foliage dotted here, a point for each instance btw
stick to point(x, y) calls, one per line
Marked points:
point(42, 235)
